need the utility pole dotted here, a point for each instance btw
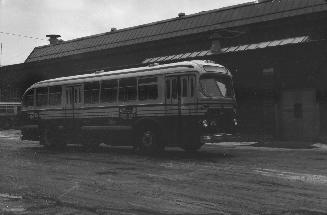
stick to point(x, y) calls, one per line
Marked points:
point(0, 53)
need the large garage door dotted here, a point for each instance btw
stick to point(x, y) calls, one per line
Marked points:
point(299, 114)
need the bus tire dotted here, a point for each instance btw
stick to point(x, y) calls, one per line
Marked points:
point(192, 144)
point(50, 139)
point(148, 140)
point(192, 148)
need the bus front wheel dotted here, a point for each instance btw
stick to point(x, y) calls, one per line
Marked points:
point(148, 140)
point(192, 144)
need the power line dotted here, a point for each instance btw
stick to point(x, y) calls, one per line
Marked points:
point(21, 35)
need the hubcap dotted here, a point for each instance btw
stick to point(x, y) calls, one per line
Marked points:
point(147, 138)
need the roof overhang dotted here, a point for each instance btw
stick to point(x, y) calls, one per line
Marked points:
point(231, 49)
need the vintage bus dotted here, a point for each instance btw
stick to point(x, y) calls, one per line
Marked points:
point(9, 112)
point(149, 107)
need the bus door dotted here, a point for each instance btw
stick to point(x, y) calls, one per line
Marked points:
point(180, 95)
point(173, 99)
point(173, 107)
point(72, 101)
point(180, 103)
point(187, 92)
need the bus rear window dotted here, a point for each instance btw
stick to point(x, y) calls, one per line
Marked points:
point(41, 96)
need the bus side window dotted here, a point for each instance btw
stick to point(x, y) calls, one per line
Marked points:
point(109, 90)
point(168, 87)
point(127, 89)
point(148, 88)
point(28, 99)
point(42, 96)
point(91, 92)
point(55, 95)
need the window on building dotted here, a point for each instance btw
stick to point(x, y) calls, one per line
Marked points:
point(127, 89)
point(109, 90)
point(28, 99)
point(41, 96)
point(55, 95)
point(91, 92)
point(148, 88)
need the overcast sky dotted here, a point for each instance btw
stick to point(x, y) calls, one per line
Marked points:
point(77, 18)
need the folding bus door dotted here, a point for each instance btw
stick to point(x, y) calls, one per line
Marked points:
point(188, 101)
point(173, 107)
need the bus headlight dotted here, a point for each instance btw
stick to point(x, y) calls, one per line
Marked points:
point(205, 123)
point(235, 122)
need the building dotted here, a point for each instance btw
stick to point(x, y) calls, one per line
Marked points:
point(276, 51)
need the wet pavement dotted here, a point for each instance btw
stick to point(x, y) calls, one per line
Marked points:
point(222, 178)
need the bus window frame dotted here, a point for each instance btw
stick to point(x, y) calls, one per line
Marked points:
point(98, 82)
point(179, 77)
point(156, 83)
point(124, 100)
point(34, 100)
point(114, 101)
point(61, 96)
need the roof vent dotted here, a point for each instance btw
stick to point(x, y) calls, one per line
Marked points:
point(153, 64)
point(53, 39)
point(113, 29)
point(180, 15)
point(260, 1)
point(99, 71)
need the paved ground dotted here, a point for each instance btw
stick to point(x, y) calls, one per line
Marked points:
point(230, 178)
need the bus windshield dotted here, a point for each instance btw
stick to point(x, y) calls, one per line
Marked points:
point(213, 85)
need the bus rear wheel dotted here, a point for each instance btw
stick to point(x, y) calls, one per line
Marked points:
point(148, 140)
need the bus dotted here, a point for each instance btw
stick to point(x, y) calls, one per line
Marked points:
point(9, 112)
point(149, 107)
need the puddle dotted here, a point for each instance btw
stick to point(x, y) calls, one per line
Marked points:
point(9, 204)
point(10, 197)
point(10, 134)
point(307, 178)
point(232, 144)
point(14, 210)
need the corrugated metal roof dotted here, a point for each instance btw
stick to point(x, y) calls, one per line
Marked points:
point(246, 47)
point(201, 22)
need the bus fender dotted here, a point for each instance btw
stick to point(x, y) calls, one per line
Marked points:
point(146, 122)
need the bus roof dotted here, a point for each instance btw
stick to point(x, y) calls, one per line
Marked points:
point(132, 72)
